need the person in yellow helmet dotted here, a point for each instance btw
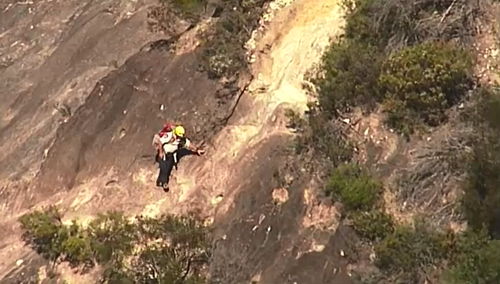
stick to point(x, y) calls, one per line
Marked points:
point(171, 142)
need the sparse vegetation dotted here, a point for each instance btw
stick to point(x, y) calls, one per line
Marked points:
point(164, 17)
point(413, 254)
point(411, 60)
point(481, 199)
point(386, 58)
point(318, 134)
point(223, 52)
point(168, 249)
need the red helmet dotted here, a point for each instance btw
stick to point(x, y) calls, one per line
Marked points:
point(167, 127)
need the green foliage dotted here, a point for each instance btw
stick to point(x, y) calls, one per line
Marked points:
point(356, 189)
point(76, 246)
point(112, 236)
point(295, 120)
point(418, 83)
point(359, 23)
point(411, 251)
point(44, 231)
point(373, 225)
point(388, 56)
point(168, 249)
point(224, 53)
point(392, 25)
point(188, 7)
point(398, 55)
point(477, 260)
point(422, 82)
point(411, 255)
point(480, 202)
point(163, 18)
point(348, 77)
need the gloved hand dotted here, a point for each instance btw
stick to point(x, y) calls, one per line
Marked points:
point(200, 152)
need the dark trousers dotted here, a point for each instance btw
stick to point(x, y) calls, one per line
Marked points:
point(166, 166)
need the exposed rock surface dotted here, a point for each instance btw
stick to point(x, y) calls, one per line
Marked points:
point(98, 59)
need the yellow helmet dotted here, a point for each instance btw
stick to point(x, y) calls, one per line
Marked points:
point(179, 131)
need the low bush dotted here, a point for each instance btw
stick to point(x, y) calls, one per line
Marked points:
point(412, 253)
point(480, 202)
point(348, 77)
point(168, 249)
point(392, 25)
point(355, 188)
point(415, 84)
point(164, 17)
point(373, 225)
point(476, 260)
point(45, 232)
point(187, 7)
point(421, 82)
point(420, 254)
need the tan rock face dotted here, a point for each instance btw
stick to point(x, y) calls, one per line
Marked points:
point(101, 157)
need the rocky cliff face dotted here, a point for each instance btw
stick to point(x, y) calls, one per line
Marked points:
point(85, 85)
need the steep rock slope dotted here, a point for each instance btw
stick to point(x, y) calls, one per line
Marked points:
point(101, 157)
point(54, 52)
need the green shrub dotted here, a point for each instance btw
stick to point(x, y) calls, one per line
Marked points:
point(348, 77)
point(389, 56)
point(188, 6)
point(373, 225)
point(45, 232)
point(190, 10)
point(423, 81)
point(355, 188)
point(163, 18)
point(360, 26)
point(167, 249)
point(411, 251)
point(76, 246)
point(477, 260)
point(480, 202)
point(112, 236)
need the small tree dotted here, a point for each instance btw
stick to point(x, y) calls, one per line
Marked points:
point(77, 247)
point(165, 250)
point(112, 237)
point(175, 249)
